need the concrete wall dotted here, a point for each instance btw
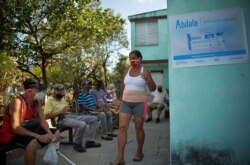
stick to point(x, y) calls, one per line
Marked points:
point(210, 105)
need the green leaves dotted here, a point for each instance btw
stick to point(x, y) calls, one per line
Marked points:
point(38, 33)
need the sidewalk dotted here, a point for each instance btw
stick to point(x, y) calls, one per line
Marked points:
point(156, 149)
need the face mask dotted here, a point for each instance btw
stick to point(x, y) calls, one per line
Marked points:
point(160, 89)
point(134, 63)
point(39, 96)
point(59, 96)
point(109, 91)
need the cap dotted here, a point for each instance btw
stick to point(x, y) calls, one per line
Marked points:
point(31, 83)
point(86, 84)
point(59, 88)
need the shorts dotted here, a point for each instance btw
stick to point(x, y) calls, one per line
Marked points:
point(135, 109)
point(23, 141)
point(153, 106)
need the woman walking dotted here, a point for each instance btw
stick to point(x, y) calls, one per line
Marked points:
point(133, 102)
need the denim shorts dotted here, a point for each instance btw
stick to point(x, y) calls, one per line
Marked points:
point(135, 109)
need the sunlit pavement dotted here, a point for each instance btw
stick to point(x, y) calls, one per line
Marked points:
point(156, 149)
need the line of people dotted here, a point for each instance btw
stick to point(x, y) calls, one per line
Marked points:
point(94, 105)
point(30, 105)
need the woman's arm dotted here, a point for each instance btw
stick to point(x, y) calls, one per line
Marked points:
point(150, 82)
point(146, 75)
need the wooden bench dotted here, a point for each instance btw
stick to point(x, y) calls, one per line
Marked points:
point(4, 148)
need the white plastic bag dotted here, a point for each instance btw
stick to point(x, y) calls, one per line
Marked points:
point(50, 156)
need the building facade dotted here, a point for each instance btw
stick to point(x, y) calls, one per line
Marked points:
point(149, 34)
point(210, 107)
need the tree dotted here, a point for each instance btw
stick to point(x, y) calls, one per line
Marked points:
point(6, 73)
point(75, 67)
point(9, 75)
point(119, 70)
point(40, 33)
point(110, 48)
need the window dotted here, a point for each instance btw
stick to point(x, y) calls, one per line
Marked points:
point(146, 33)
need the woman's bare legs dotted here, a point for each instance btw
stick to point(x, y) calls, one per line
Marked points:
point(124, 120)
point(140, 135)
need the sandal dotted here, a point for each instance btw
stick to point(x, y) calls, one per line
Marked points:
point(117, 163)
point(138, 158)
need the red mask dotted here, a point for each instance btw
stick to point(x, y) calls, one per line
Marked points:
point(134, 63)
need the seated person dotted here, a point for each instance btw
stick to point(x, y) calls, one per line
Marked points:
point(25, 107)
point(158, 103)
point(100, 96)
point(111, 100)
point(56, 106)
point(89, 106)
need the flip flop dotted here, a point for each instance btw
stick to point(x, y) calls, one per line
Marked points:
point(118, 163)
point(138, 158)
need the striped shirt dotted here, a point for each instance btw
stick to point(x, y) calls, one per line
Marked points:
point(86, 99)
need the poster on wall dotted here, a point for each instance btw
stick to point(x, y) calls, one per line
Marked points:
point(208, 38)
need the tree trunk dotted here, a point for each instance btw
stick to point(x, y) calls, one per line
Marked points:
point(43, 68)
point(105, 74)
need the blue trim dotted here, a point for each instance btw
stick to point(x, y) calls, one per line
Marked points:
point(207, 55)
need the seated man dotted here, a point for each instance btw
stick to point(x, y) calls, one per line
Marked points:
point(158, 103)
point(56, 106)
point(14, 130)
point(100, 97)
point(112, 102)
point(89, 106)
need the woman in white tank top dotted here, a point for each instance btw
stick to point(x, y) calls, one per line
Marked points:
point(134, 97)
